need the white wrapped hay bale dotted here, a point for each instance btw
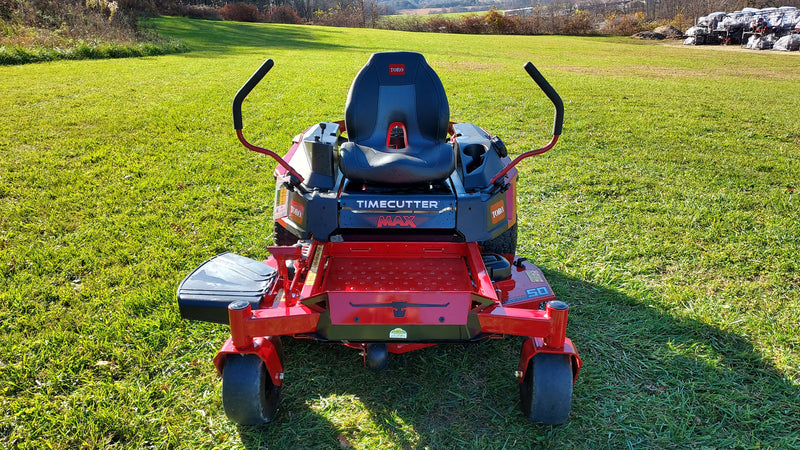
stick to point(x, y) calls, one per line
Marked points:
point(756, 42)
point(790, 42)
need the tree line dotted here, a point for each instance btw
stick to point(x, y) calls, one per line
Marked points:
point(118, 18)
point(618, 17)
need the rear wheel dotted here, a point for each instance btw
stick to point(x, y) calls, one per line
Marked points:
point(505, 244)
point(546, 390)
point(281, 236)
point(248, 395)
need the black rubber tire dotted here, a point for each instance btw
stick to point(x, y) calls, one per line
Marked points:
point(546, 391)
point(248, 395)
point(282, 236)
point(505, 244)
point(377, 356)
point(278, 344)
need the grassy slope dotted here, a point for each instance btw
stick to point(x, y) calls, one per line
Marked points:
point(667, 217)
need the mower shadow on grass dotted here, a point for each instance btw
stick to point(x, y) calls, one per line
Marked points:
point(652, 378)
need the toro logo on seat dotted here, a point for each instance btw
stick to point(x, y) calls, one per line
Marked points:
point(396, 221)
point(397, 69)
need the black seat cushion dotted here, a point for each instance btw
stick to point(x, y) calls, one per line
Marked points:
point(397, 87)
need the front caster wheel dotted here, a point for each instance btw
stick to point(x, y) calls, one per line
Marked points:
point(248, 395)
point(546, 390)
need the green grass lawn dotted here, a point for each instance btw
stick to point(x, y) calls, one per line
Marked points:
point(668, 217)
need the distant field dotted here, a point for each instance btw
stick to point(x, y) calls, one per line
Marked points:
point(667, 217)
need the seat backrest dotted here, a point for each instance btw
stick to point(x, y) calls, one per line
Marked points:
point(397, 87)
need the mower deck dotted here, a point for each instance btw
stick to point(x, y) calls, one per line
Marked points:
point(397, 294)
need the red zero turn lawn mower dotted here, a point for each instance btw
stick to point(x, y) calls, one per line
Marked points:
point(395, 230)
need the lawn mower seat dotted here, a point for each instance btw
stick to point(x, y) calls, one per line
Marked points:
point(397, 119)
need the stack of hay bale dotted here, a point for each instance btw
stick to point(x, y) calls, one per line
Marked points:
point(762, 29)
